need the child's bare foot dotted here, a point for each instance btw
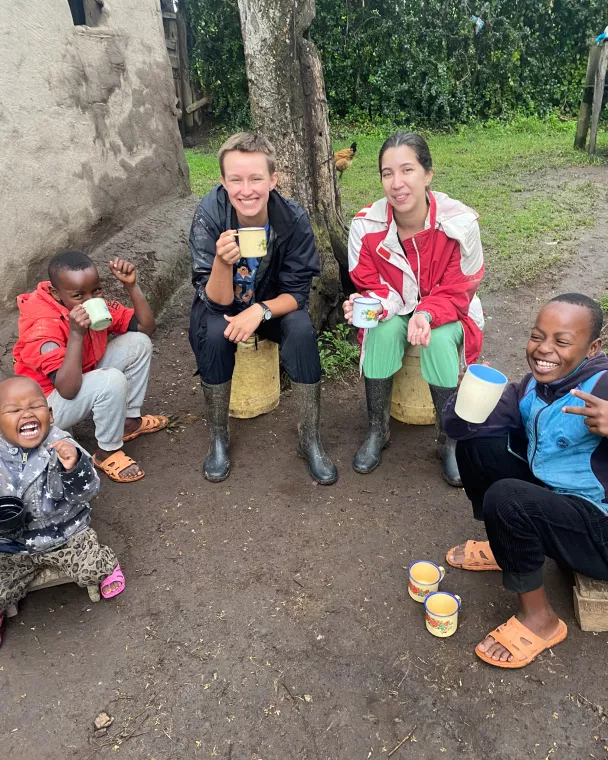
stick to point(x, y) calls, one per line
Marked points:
point(544, 624)
point(131, 471)
point(114, 584)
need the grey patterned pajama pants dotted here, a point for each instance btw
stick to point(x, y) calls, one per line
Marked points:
point(82, 558)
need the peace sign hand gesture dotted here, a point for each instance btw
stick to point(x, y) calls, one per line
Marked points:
point(595, 412)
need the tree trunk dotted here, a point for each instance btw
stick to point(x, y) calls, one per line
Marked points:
point(288, 105)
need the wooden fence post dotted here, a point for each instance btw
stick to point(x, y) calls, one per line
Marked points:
point(598, 95)
point(584, 116)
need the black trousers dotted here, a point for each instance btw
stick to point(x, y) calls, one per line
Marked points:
point(215, 354)
point(525, 521)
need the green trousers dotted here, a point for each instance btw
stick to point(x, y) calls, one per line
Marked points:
point(439, 362)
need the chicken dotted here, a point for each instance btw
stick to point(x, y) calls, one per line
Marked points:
point(344, 157)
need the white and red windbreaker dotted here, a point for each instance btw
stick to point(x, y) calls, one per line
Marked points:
point(439, 272)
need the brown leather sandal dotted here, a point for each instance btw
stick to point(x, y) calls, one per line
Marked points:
point(150, 423)
point(473, 558)
point(115, 464)
point(521, 643)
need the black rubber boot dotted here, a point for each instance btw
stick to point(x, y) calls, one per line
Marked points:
point(308, 400)
point(217, 462)
point(378, 394)
point(446, 447)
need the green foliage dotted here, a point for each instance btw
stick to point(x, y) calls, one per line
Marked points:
point(422, 61)
point(516, 175)
point(603, 302)
point(339, 355)
point(419, 62)
point(216, 57)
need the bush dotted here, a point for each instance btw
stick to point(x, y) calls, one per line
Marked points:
point(419, 62)
point(339, 355)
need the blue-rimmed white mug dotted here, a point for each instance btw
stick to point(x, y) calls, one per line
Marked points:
point(441, 613)
point(424, 578)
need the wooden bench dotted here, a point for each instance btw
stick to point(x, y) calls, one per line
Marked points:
point(256, 386)
point(48, 577)
point(591, 603)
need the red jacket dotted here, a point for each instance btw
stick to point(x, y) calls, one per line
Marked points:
point(439, 272)
point(42, 320)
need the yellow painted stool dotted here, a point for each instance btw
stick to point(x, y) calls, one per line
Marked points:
point(412, 402)
point(256, 386)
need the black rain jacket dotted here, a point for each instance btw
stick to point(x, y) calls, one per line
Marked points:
point(288, 267)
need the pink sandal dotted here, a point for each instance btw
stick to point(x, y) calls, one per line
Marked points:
point(116, 576)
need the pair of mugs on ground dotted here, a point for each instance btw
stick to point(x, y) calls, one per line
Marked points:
point(441, 608)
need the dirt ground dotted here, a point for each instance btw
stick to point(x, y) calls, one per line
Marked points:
point(267, 618)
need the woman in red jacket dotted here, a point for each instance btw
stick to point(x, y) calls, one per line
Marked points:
point(420, 253)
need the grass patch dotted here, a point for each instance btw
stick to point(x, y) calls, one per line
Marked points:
point(204, 171)
point(339, 356)
point(530, 214)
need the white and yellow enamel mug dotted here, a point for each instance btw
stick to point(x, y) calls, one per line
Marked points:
point(441, 610)
point(423, 579)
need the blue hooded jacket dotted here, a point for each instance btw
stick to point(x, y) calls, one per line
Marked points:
point(559, 448)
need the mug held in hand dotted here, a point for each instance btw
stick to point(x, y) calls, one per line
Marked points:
point(252, 242)
point(479, 393)
point(366, 311)
point(98, 312)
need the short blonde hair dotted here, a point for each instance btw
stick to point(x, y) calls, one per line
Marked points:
point(248, 142)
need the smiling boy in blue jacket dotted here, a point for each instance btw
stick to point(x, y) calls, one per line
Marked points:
point(536, 473)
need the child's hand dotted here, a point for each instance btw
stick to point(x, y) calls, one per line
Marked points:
point(595, 412)
point(124, 271)
point(79, 320)
point(67, 454)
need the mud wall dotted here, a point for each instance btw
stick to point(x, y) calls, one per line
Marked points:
point(88, 132)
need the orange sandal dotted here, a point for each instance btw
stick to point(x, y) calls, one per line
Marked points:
point(521, 643)
point(115, 464)
point(473, 557)
point(150, 423)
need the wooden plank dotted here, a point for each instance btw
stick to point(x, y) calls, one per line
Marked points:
point(171, 44)
point(169, 16)
point(184, 70)
point(584, 116)
point(199, 104)
point(47, 578)
point(598, 96)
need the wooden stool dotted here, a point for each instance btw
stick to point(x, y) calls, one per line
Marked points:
point(48, 577)
point(591, 603)
point(412, 402)
point(256, 386)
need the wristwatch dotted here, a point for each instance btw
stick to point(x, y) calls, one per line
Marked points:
point(267, 313)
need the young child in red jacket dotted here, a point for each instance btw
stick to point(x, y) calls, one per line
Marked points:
point(78, 370)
